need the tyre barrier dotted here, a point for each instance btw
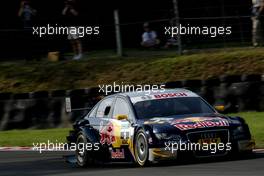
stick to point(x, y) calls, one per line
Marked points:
point(45, 109)
point(230, 78)
point(58, 93)
point(39, 95)
point(175, 84)
point(207, 89)
point(14, 109)
point(251, 78)
point(21, 96)
point(5, 96)
point(82, 99)
point(15, 113)
point(77, 100)
point(261, 96)
point(193, 85)
point(246, 95)
point(223, 96)
point(223, 93)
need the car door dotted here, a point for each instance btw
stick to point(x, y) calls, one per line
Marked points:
point(122, 129)
point(99, 119)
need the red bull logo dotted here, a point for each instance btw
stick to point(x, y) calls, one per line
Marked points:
point(194, 123)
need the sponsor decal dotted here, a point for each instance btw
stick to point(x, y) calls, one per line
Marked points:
point(146, 97)
point(124, 136)
point(170, 95)
point(163, 95)
point(209, 141)
point(194, 123)
point(158, 120)
point(124, 141)
point(107, 134)
point(118, 154)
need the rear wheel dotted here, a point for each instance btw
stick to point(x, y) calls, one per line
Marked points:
point(141, 148)
point(83, 156)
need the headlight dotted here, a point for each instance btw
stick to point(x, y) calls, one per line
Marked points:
point(161, 135)
point(239, 129)
point(166, 136)
point(238, 132)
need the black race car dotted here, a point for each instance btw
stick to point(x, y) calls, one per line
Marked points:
point(151, 127)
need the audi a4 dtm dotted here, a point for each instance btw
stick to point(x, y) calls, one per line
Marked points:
point(157, 126)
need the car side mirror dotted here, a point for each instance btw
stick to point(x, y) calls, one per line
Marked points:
point(220, 108)
point(121, 117)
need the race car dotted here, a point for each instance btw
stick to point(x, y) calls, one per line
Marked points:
point(149, 127)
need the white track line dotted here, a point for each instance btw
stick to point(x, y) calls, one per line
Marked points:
point(258, 150)
point(30, 149)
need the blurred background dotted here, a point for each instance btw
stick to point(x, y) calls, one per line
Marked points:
point(37, 74)
point(16, 43)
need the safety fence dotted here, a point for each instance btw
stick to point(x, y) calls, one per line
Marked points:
point(20, 44)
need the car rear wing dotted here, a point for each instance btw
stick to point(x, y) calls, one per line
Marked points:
point(68, 106)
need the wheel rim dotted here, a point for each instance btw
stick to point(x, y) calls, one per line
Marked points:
point(141, 148)
point(80, 156)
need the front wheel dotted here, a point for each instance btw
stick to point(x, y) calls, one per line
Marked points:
point(141, 148)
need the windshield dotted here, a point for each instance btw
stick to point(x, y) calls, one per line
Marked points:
point(171, 106)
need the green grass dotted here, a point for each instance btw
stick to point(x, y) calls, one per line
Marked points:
point(27, 137)
point(255, 121)
point(137, 67)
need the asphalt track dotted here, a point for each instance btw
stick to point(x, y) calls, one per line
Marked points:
point(52, 163)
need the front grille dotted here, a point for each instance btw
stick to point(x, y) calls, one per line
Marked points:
point(209, 137)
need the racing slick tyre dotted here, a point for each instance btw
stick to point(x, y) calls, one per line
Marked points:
point(141, 148)
point(83, 156)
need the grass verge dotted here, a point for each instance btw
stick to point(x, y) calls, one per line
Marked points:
point(255, 121)
point(28, 137)
point(137, 67)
